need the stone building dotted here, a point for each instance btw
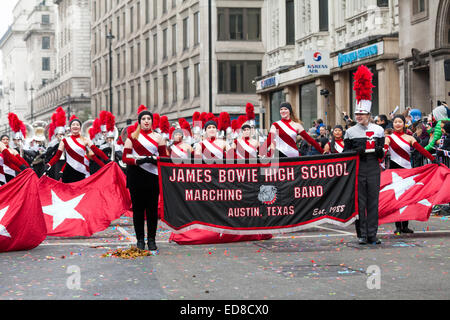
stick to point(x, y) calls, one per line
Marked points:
point(342, 34)
point(176, 57)
point(424, 45)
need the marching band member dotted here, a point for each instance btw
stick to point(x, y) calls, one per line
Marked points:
point(180, 149)
point(336, 145)
point(57, 131)
point(140, 150)
point(211, 148)
point(368, 140)
point(9, 163)
point(399, 144)
point(245, 147)
point(77, 154)
point(283, 135)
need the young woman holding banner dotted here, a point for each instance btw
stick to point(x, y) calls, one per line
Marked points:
point(140, 153)
point(399, 145)
point(283, 135)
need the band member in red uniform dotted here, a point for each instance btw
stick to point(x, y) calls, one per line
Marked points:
point(140, 151)
point(211, 148)
point(336, 145)
point(283, 135)
point(77, 160)
point(245, 147)
point(10, 161)
point(180, 149)
point(399, 145)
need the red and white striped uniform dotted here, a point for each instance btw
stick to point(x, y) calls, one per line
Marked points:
point(210, 150)
point(400, 150)
point(145, 146)
point(286, 139)
point(339, 146)
point(76, 155)
point(245, 150)
point(178, 152)
point(2, 171)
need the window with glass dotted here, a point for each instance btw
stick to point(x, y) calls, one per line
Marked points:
point(308, 104)
point(237, 76)
point(45, 43)
point(239, 24)
point(290, 22)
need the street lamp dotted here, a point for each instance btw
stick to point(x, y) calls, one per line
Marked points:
point(110, 37)
point(31, 89)
point(69, 100)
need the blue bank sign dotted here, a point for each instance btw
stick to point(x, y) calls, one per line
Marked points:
point(360, 54)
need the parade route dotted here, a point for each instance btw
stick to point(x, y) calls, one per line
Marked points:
point(321, 263)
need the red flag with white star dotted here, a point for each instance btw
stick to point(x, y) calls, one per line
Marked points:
point(22, 225)
point(410, 194)
point(87, 206)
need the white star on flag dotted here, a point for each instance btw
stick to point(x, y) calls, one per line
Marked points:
point(401, 185)
point(62, 210)
point(3, 231)
point(424, 202)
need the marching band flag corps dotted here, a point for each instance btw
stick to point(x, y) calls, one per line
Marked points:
point(185, 142)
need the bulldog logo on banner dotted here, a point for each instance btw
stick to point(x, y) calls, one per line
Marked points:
point(259, 198)
point(267, 194)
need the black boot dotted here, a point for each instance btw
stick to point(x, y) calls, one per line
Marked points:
point(152, 245)
point(405, 228)
point(140, 245)
point(398, 228)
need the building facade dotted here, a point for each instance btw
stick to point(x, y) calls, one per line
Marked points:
point(424, 46)
point(39, 40)
point(15, 66)
point(345, 34)
point(70, 85)
point(176, 57)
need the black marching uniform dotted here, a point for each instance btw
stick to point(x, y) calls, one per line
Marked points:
point(369, 143)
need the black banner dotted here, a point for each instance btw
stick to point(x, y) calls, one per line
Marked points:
point(282, 196)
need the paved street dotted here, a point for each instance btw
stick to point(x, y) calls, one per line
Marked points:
point(322, 263)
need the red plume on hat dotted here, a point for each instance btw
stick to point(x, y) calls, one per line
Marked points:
point(141, 108)
point(363, 84)
point(203, 116)
point(185, 126)
point(51, 129)
point(60, 117)
point(250, 111)
point(95, 128)
point(110, 122)
point(132, 128)
point(16, 124)
point(234, 125)
point(58, 120)
point(156, 119)
point(164, 124)
point(102, 116)
point(242, 120)
point(73, 117)
point(224, 121)
point(171, 130)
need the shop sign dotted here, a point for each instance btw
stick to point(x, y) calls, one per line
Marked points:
point(360, 54)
